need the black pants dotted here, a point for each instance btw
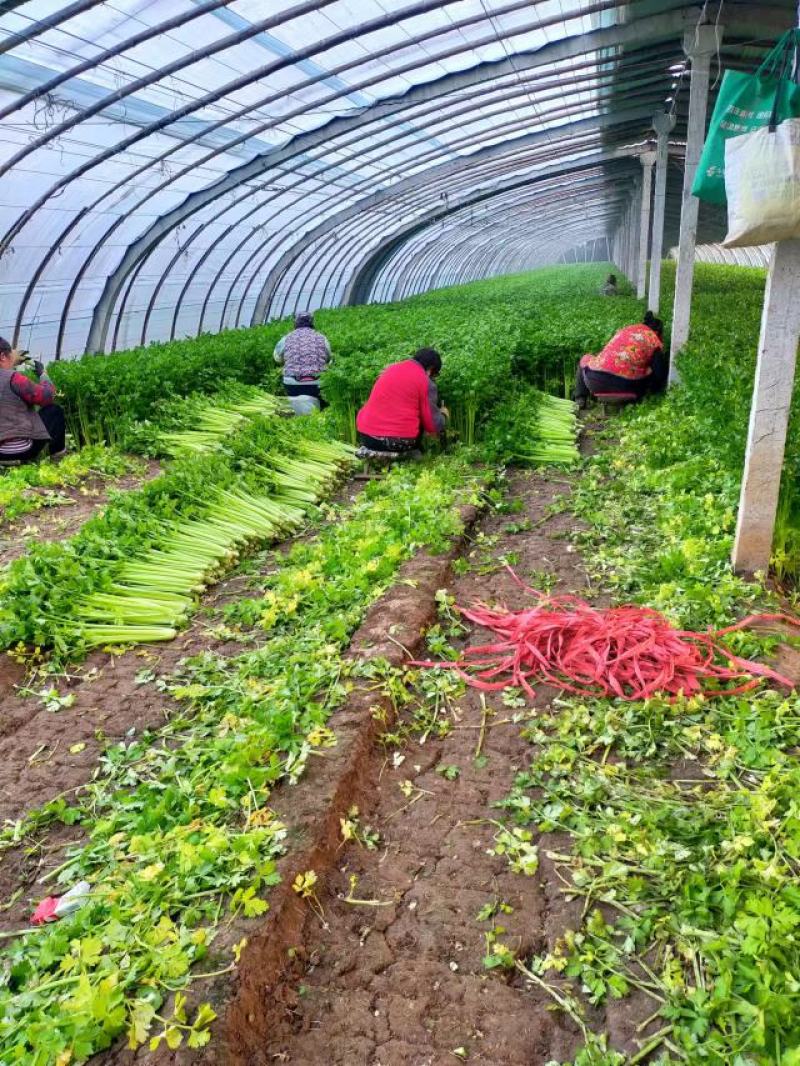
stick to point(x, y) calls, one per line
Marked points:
point(389, 444)
point(591, 382)
point(306, 388)
point(53, 418)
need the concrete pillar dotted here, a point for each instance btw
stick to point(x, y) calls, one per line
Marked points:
point(663, 125)
point(769, 413)
point(636, 214)
point(629, 241)
point(647, 159)
point(699, 45)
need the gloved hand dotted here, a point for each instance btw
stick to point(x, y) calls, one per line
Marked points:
point(445, 412)
point(38, 367)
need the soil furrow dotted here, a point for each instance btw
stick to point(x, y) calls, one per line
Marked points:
point(399, 980)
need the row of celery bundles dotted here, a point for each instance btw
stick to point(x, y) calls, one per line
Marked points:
point(751, 158)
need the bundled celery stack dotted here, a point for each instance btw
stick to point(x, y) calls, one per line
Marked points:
point(532, 429)
point(212, 421)
point(154, 594)
point(133, 572)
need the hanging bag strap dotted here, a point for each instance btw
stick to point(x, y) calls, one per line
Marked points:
point(776, 65)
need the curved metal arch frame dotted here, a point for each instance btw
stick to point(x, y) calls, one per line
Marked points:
point(499, 193)
point(430, 265)
point(360, 235)
point(553, 166)
point(482, 258)
point(423, 274)
point(248, 236)
point(411, 185)
point(331, 284)
point(657, 28)
point(566, 147)
point(366, 272)
point(513, 148)
point(598, 183)
point(468, 177)
point(434, 130)
point(238, 277)
point(244, 137)
point(421, 7)
point(191, 13)
point(45, 25)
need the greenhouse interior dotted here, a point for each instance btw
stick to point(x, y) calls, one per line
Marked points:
point(399, 533)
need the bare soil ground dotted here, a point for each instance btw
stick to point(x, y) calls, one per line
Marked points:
point(63, 519)
point(399, 981)
point(107, 701)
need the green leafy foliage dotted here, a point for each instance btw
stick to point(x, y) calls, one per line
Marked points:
point(27, 488)
point(178, 823)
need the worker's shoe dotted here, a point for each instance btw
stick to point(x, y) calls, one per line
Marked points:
point(56, 457)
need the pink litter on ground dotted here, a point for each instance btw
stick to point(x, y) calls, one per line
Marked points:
point(629, 653)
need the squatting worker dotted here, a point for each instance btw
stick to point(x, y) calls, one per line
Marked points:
point(610, 286)
point(304, 353)
point(632, 361)
point(24, 431)
point(403, 405)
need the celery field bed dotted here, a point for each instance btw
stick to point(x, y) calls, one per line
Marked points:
point(248, 722)
point(558, 880)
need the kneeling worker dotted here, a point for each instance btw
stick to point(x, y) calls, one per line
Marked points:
point(24, 431)
point(304, 353)
point(632, 362)
point(403, 405)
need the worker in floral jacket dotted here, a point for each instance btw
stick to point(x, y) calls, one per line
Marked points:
point(632, 362)
point(304, 353)
point(29, 420)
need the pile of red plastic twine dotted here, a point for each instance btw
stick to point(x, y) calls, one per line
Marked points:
point(630, 653)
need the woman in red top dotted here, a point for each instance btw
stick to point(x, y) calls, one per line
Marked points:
point(633, 361)
point(403, 405)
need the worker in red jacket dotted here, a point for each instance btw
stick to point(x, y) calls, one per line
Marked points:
point(403, 405)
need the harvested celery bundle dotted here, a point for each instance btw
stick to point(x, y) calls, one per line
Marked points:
point(212, 420)
point(534, 428)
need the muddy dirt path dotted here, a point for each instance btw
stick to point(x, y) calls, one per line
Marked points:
point(106, 699)
point(400, 981)
point(63, 519)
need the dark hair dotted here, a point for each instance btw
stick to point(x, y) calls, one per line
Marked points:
point(304, 320)
point(5, 347)
point(655, 324)
point(612, 279)
point(429, 359)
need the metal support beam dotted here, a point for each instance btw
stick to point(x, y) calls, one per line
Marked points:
point(647, 160)
point(641, 31)
point(365, 273)
point(769, 414)
point(663, 125)
point(699, 44)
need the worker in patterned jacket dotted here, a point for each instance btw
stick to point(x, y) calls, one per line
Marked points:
point(304, 354)
point(25, 431)
point(632, 362)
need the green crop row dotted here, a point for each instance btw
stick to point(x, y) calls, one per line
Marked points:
point(180, 837)
point(531, 325)
point(149, 551)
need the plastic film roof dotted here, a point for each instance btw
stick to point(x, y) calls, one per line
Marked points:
point(171, 167)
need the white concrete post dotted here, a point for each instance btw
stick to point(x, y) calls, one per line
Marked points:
point(647, 159)
point(769, 413)
point(699, 45)
point(629, 237)
point(636, 214)
point(663, 125)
